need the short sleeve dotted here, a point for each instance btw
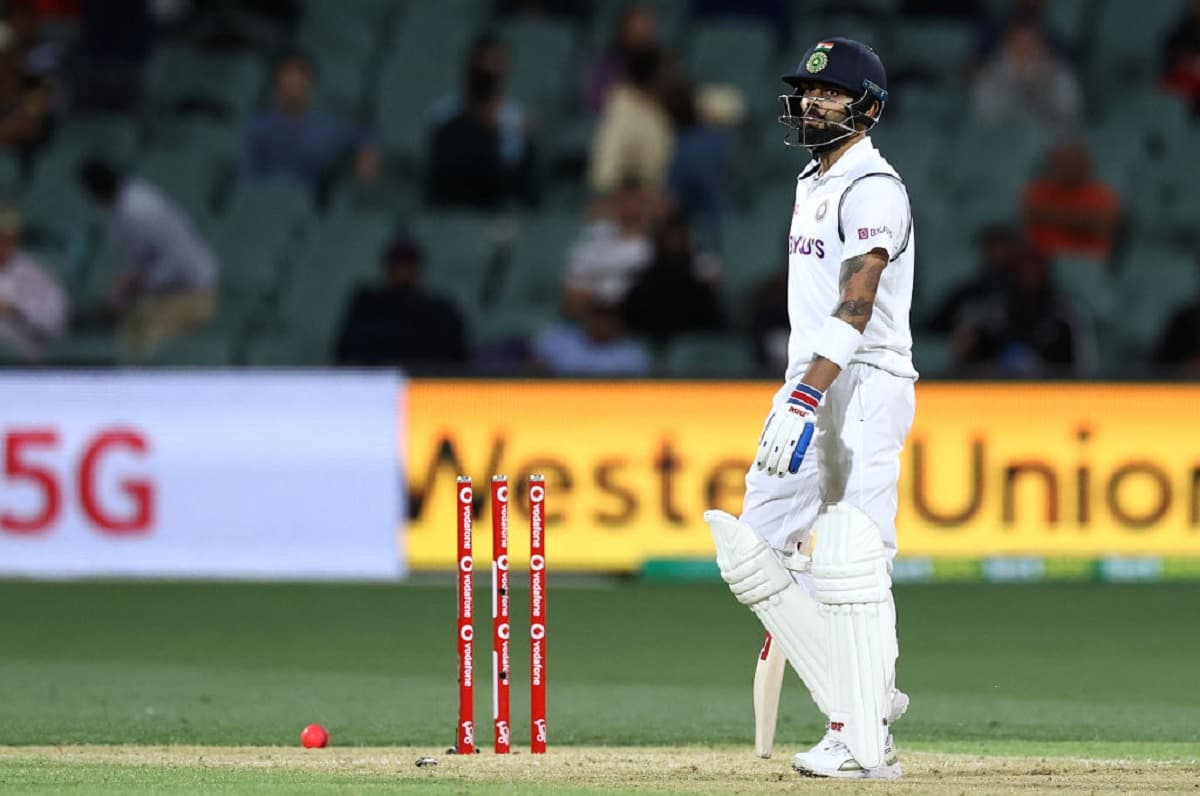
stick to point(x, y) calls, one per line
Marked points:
point(874, 215)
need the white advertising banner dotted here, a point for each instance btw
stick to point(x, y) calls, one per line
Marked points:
point(205, 474)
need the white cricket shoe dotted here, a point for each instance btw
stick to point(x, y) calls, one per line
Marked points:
point(832, 758)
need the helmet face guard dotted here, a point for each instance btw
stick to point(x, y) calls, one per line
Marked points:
point(810, 127)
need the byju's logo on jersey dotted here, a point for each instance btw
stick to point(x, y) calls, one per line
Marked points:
point(799, 244)
point(866, 233)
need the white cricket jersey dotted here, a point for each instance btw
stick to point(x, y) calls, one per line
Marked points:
point(860, 204)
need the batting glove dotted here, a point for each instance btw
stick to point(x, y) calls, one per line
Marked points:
point(788, 432)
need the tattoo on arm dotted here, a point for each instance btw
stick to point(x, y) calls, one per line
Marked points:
point(855, 308)
point(858, 282)
point(849, 269)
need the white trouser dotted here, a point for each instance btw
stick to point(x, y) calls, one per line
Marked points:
point(854, 458)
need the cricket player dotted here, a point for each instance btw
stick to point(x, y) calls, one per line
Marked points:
point(811, 553)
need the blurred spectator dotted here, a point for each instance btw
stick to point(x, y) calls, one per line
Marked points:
point(115, 40)
point(294, 143)
point(611, 250)
point(33, 308)
point(399, 322)
point(989, 34)
point(634, 136)
point(26, 85)
point(1000, 246)
point(1067, 211)
point(1181, 57)
point(1025, 81)
point(1026, 328)
point(168, 284)
point(1178, 352)
point(697, 177)
point(672, 296)
point(770, 326)
point(599, 346)
point(637, 29)
point(480, 151)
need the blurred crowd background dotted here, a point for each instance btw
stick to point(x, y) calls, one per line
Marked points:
point(581, 187)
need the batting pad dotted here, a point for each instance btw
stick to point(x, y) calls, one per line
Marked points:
point(758, 579)
point(852, 586)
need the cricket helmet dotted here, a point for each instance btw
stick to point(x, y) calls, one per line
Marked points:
point(845, 64)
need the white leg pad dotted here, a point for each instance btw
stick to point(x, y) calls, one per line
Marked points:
point(852, 586)
point(758, 580)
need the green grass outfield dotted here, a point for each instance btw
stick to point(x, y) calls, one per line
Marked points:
point(1103, 671)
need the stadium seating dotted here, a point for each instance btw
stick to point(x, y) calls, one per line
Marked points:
point(336, 257)
point(708, 355)
point(543, 54)
point(938, 48)
point(229, 83)
point(534, 273)
point(735, 52)
point(202, 349)
point(1155, 282)
point(288, 267)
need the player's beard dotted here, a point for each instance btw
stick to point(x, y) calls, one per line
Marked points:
point(816, 130)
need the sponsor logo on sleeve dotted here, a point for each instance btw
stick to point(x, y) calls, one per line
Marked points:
point(866, 233)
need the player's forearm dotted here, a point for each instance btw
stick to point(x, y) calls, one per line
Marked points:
point(821, 373)
point(858, 283)
point(855, 311)
point(838, 339)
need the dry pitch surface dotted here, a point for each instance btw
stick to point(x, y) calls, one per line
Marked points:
point(566, 770)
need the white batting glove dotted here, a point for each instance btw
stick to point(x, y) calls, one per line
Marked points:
point(788, 432)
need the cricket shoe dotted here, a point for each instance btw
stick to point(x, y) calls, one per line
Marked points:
point(831, 758)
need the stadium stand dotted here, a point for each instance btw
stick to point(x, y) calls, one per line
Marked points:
point(288, 264)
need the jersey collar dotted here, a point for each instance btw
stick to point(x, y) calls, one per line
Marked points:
point(850, 158)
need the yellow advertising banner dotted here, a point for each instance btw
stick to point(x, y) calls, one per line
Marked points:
point(1014, 469)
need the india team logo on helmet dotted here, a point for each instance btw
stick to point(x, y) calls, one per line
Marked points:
point(820, 57)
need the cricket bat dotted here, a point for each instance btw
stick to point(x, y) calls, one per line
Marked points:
point(768, 684)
